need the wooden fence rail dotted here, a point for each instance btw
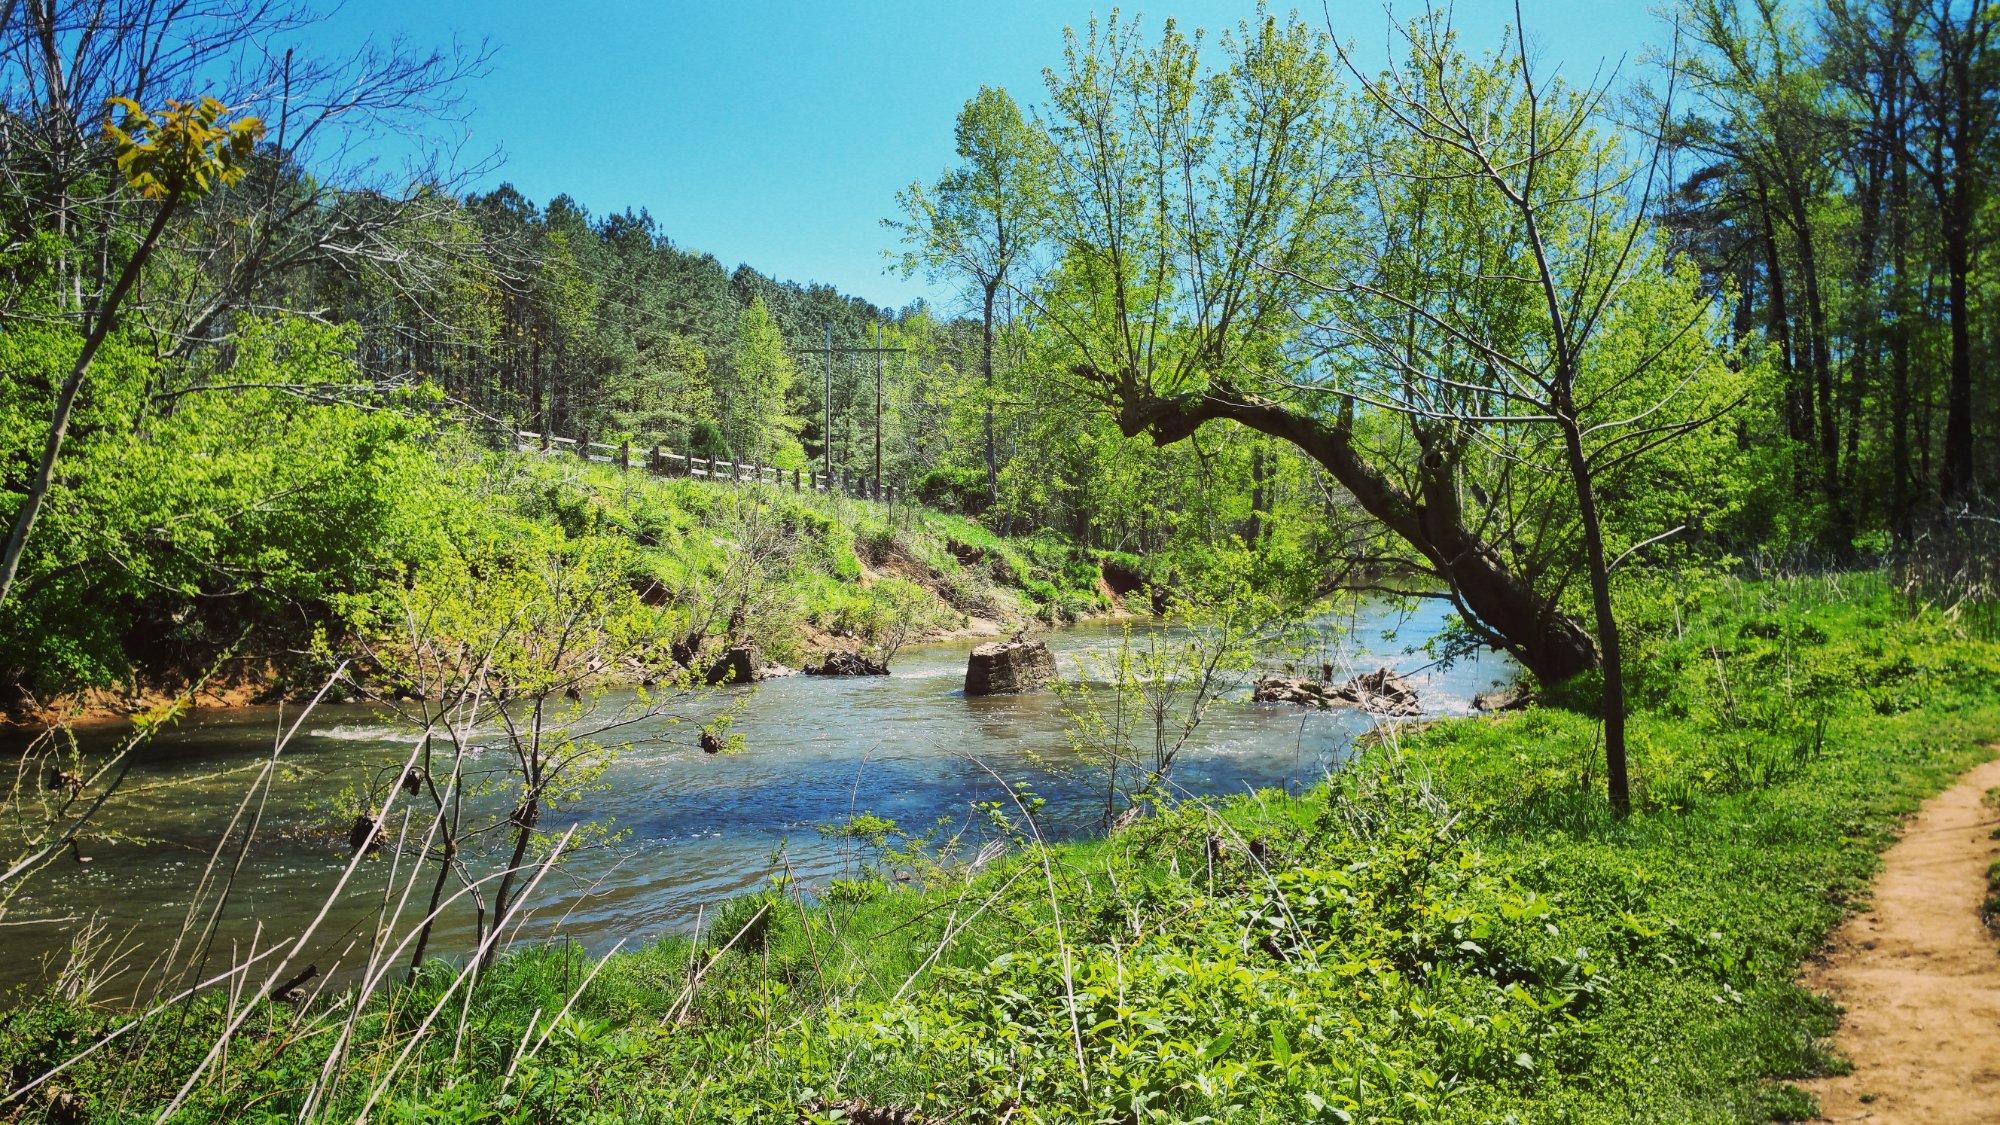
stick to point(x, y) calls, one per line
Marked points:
point(664, 462)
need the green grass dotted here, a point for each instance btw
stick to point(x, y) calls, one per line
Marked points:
point(1989, 910)
point(692, 533)
point(1454, 929)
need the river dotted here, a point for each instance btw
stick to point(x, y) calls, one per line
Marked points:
point(697, 828)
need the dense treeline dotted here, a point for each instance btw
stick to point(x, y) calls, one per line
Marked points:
point(1841, 189)
point(1744, 314)
point(603, 326)
point(256, 339)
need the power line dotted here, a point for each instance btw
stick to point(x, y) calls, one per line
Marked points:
point(826, 406)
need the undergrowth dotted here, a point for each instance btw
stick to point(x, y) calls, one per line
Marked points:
point(841, 565)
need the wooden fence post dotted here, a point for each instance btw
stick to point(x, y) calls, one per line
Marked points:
point(795, 481)
point(583, 444)
point(654, 462)
point(546, 443)
point(625, 455)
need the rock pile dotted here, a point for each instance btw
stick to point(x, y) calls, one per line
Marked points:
point(848, 664)
point(1381, 691)
point(739, 666)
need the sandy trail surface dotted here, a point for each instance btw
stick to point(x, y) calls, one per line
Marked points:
point(1917, 974)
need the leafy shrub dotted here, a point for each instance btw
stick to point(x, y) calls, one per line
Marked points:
point(960, 489)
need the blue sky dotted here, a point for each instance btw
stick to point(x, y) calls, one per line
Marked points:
point(777, 134)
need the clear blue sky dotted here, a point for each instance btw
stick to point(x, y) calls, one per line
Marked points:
point(777, 134)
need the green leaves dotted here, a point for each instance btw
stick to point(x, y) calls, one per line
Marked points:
point(1281, 1046)
point(184, 150)
point(188, 514)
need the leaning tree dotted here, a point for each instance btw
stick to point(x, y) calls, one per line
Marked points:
point(1439, 283)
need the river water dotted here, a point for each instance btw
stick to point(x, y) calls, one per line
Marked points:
point(697, 828)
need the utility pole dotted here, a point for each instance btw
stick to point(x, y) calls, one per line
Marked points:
point(878, 408)
point(826, 444)
point(826, 412)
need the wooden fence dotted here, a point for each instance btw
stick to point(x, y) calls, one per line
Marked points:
point(661, 461)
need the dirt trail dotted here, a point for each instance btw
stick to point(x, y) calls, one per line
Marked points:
point(1918, 975)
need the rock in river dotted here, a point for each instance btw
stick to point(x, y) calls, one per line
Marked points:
point(1005, 666)
point(1381, 691)
point(848, 664)
point(739, 666)
point(1510, 698)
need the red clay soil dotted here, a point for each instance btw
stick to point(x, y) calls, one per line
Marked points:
point(1917, 975)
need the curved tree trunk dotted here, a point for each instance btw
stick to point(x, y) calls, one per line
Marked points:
point(1551, 645)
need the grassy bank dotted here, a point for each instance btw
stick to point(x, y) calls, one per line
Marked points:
point(241, 602)
point(1455, 928)
point(812, 566)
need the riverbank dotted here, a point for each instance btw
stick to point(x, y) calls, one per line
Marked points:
point(796, 576)
point(1454, 928)
point(696, 828)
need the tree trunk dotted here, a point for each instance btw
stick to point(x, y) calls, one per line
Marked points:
point(1864, 351)
point(1840, 526)
point(536, 405)
point(1498, 603)
point(1257, 497)
point(986, 369)
point(1612, 702)
point(502, 903)
point(1899, 339)
point(1964, 82)
point(1955, 481)
point(430, 918)
point(1798, 405)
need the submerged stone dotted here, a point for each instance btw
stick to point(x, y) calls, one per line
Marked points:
point(848, 664)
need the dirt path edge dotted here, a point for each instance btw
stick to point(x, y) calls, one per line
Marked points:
point(1917, 974)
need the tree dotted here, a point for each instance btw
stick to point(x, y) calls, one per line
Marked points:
point(1769, 114)
point(1517, 292)
point(512, 644)
point(176, 154)
point(1963, 99)
point(92, 205)
point(979, 220)
point(1190, 214)
point(1846, 158)
point(752, 398)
